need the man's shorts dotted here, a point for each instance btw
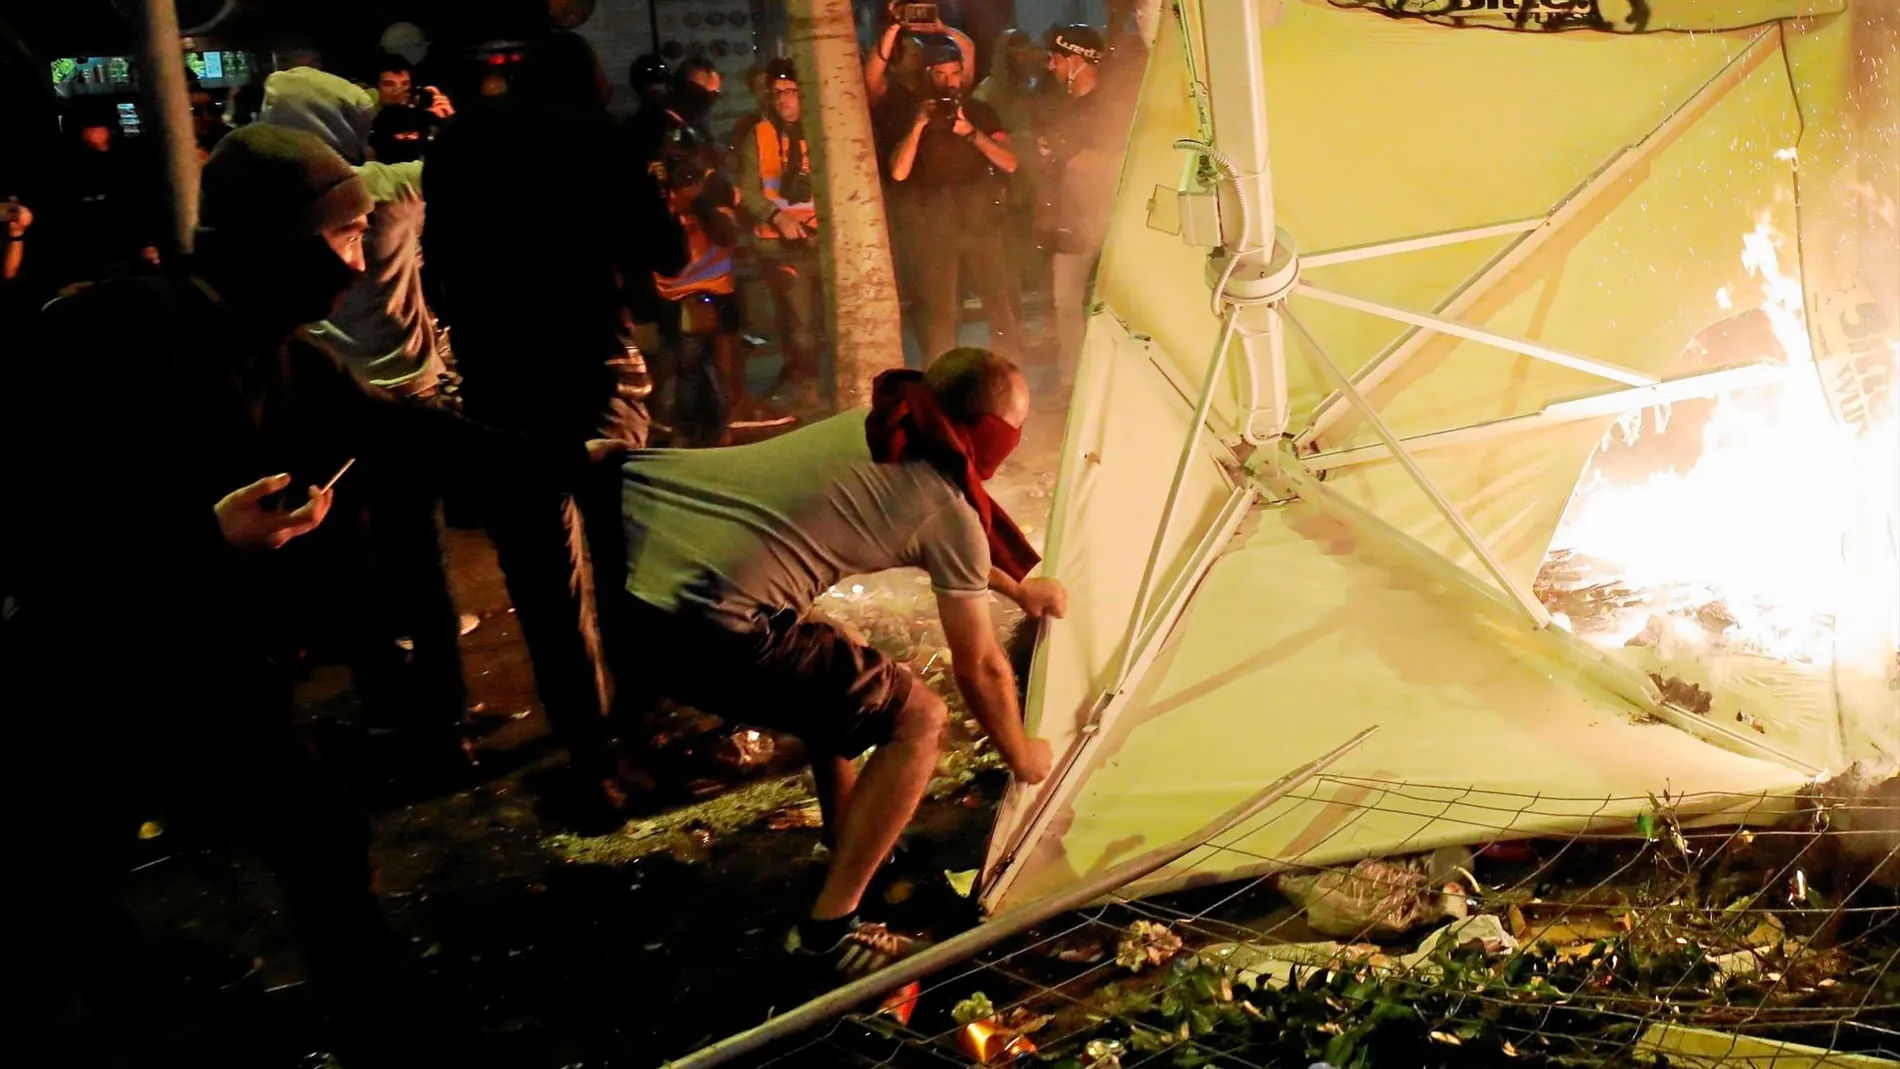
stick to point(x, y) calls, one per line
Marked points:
point(802, 676)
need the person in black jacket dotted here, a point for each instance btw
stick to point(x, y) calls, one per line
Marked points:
point(538, 217)
point(179, 483)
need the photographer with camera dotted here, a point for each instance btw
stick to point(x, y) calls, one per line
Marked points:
point(949, 162)
point(407, 114)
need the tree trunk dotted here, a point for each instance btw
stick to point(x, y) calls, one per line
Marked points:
point(861, 311)
point(168, 106)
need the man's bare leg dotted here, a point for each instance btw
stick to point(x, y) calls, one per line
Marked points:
point(836, 778)
point(884, 800)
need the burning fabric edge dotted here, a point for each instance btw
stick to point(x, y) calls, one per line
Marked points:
point(1763, 567)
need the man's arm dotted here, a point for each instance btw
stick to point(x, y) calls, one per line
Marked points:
point(904, 156)
point(749, 177)
point(18, 220)
point(993, 145)
point(1037, 597)
point(877, 81)
point(984, 677)
point(995, 148)
point(373, 423)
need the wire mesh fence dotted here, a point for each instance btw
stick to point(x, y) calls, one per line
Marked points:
point(1773, 938)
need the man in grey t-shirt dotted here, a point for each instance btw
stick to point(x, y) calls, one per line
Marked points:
point(728, 549)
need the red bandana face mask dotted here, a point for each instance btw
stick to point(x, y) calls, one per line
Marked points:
point(992, 440)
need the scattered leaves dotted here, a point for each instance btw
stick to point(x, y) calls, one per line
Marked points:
point(1145, 944)
point(973, 1009)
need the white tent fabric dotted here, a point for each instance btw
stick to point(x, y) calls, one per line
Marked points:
point(1323, 608)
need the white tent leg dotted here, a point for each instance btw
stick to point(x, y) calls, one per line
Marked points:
point(1189, 446)
point(1533, 608)
point(1144, 645)
point(1594, 406)
point(1465, 330)
point(1614, 175)
point(1352, 253)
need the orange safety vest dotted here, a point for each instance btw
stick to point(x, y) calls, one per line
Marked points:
point(774, 151)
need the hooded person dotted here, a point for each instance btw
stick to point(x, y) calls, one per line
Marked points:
point(389, 554)
point(382, 329)
point(729, 548)
point(539, 221)
point(186, 488)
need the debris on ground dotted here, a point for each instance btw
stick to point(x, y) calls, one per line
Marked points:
point(1375, 899)
point(993, 1044)
point(801, 816)
point(963, 883)
point(1146, 943)
point(689, 828)
point(1679, 691)
point(977, 1007)
point(1080, 950)
point(900, 1004)
point(1858, 813)
point(745, 749)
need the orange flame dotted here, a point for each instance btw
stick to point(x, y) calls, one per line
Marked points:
point(1756, 523)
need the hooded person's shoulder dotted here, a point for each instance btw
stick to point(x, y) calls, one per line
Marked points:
point(391, 181)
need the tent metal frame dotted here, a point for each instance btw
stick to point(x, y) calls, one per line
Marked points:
point(1237, 91)
point(1611, 177)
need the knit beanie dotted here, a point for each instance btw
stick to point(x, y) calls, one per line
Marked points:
point(317, 102)
point(267, 186)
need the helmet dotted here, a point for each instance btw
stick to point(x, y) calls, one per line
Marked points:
point(1078, 40)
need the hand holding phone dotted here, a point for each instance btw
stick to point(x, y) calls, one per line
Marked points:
point(327, 487)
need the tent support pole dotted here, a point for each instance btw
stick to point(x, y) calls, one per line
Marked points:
point(1615, 175)
point(1215, 364)
point(1374, 250)
point(1540, 618)
point(1465, 330)
point(962, 947)
point(1592, 406)
point(1617, 677)
point(1145, 645)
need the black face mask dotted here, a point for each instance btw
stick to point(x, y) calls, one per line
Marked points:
point(304, 283)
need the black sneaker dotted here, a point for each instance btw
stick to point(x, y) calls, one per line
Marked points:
point(862, 950)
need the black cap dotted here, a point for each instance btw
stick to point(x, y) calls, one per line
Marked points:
point(1078, 40)
point(939, 48)
point(780, 70)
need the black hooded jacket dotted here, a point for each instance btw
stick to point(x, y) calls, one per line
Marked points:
point(538, 216)
point(112, 512)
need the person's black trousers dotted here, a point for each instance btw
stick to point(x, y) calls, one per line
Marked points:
point(552, 540)
point(941, 251)
point(387, 578)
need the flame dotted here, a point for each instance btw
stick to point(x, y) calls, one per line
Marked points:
point(1746, 544)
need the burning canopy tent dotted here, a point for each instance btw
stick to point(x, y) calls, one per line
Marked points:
point(1528, 250)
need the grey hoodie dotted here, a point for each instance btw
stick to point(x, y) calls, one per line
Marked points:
point(382, 329)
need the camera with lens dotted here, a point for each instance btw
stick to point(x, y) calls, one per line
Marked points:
point(943, 109)
point(796, 188)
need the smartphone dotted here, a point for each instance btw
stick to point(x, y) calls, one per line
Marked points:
point(339, 474)
point(296, 496)
point(918, 14)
